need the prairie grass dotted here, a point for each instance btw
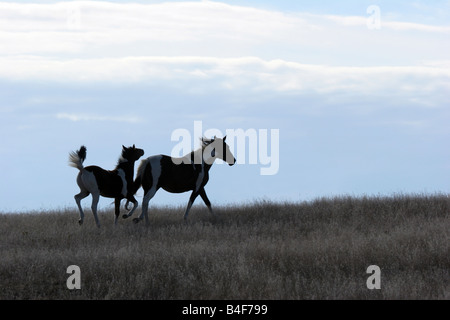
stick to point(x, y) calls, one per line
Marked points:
point(310, 250)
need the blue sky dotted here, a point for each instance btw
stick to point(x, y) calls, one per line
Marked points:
point(359, 110)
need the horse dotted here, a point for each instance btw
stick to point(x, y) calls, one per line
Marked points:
point(117, 183)
point(178, 175)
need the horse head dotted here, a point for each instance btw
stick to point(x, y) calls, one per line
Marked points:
point(132, 153)
point(217, 148)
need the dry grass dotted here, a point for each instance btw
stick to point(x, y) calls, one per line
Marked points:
point(312, 250)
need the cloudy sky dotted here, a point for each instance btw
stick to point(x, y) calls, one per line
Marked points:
point(359, 91)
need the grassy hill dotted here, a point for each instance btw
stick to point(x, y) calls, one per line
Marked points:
point(312, 250)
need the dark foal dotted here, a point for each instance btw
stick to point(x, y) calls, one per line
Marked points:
point(117, 183)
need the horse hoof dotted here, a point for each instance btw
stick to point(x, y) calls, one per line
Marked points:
point(125, 216)
point(80, 222)
point(136, 220)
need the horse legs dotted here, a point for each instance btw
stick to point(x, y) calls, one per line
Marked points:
point(83, 194)
point(135, 204)
point(147, 197)
point(191, 201)
point(206, 200)
point(116, 209)
point(95, 198)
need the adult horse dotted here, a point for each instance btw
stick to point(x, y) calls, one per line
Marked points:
point(117, 183)
point(177, 175)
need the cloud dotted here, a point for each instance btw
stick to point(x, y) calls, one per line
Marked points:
point(94, 29)
point(246, 74)
point(360, 21)
point(202, 47)
point(74, 26)
point(92, 117)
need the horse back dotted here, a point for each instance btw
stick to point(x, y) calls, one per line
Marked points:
point(175, 178)
point(109, 182)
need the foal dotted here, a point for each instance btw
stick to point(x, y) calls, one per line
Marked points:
point(117, 184)
point(177, 175)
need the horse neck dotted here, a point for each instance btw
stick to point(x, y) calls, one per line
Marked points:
point(196, 155)
point(207, 166)
point(128, 168)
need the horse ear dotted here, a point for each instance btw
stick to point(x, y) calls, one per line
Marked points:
point(224, 138)
point(134, 146)
point(123, 147)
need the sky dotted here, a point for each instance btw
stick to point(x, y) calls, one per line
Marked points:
point(358, 92)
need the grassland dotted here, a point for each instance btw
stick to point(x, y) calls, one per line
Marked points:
point(311, 250)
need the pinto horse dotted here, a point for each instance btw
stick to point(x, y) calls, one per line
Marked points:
point(177, 175)
point(117, 183)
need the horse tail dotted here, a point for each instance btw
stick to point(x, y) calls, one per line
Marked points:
point(76, 159)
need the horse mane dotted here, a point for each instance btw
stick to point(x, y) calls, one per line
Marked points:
point(206, 142)
point(121, 159)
